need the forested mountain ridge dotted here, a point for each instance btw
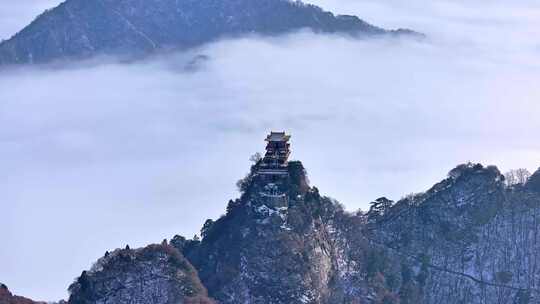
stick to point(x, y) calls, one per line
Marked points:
point(78, 29)
point(154, 274)
point(472, 238)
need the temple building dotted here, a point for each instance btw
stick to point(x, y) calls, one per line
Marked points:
point(277, 154)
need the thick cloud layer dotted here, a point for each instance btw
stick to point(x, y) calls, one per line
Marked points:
point(99, 156)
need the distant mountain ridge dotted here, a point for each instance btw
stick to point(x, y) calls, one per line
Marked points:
point(78, 29)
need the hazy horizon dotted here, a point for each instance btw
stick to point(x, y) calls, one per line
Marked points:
point(100, 156)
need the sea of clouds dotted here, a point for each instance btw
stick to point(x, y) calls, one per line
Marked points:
point(98, 156)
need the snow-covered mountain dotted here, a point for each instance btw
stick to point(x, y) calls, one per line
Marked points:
point(473, 238)
point(469, 239)
point(130, 28)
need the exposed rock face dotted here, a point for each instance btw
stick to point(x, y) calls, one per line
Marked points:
point(154, 274)
point(534, 182)
point(6, 297)
point(469, 239)
point(282, 242)
point(85, 28)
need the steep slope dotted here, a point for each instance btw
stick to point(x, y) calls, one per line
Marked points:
point(469, 239)
point(6, 297)
point(282, 242)
point(130, 28)
point(155, 274)
point(533, 184)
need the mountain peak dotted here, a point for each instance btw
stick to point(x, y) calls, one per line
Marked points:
point(273, 175)
point(6, 297)
point(263, 250)
point(153, 274)
point(79, 29)
point(534, 181)
point(466, 240)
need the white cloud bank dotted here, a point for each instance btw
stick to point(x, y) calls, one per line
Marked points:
point(93, 158)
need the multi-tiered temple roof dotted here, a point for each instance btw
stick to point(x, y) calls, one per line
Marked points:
point(277, 154)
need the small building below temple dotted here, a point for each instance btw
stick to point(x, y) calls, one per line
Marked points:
point(276, 158)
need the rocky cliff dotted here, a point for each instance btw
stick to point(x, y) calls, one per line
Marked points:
point(472, 238)
point(131, 28)
point(154, 274)
point(6, 297)
point(282, 242)
point(469, 239)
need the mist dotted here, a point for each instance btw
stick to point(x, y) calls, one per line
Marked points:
point(98, 156)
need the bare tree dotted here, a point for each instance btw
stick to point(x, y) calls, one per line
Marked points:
point(517, 176)
point(255, 158)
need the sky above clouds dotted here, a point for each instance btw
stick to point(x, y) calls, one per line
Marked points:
point(15, 15)
point(96, 157)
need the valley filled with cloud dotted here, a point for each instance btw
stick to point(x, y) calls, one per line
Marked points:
point(108, 153)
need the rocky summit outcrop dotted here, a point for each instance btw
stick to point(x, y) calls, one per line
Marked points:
point(155, 274)
point(533, 184)
point(78, 29)
point(6, 297)
point(473, 238)
point(469, 239)
point(282, 242)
